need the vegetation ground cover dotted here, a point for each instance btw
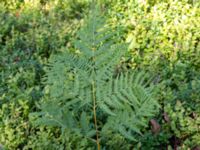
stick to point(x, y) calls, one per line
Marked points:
point(163, 38)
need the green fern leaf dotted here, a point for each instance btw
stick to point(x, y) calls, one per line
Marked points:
point(87, 96)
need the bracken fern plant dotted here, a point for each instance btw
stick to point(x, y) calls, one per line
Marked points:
point(87, 96)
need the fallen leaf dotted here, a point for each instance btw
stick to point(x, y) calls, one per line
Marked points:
point(155, 127)
point(166, 117)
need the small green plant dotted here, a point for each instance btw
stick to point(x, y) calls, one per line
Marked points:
point(87, 95)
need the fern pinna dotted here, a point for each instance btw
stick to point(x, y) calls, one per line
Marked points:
point(85, 96)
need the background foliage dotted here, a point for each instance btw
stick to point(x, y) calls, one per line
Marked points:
point(164, 40)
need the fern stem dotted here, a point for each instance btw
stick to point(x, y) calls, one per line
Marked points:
point(95, 116)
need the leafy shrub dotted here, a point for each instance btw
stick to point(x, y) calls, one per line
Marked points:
point(164, 39)
point(27, 37)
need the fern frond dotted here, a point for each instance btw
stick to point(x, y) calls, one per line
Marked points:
point(84, 87)
point(130, 102)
